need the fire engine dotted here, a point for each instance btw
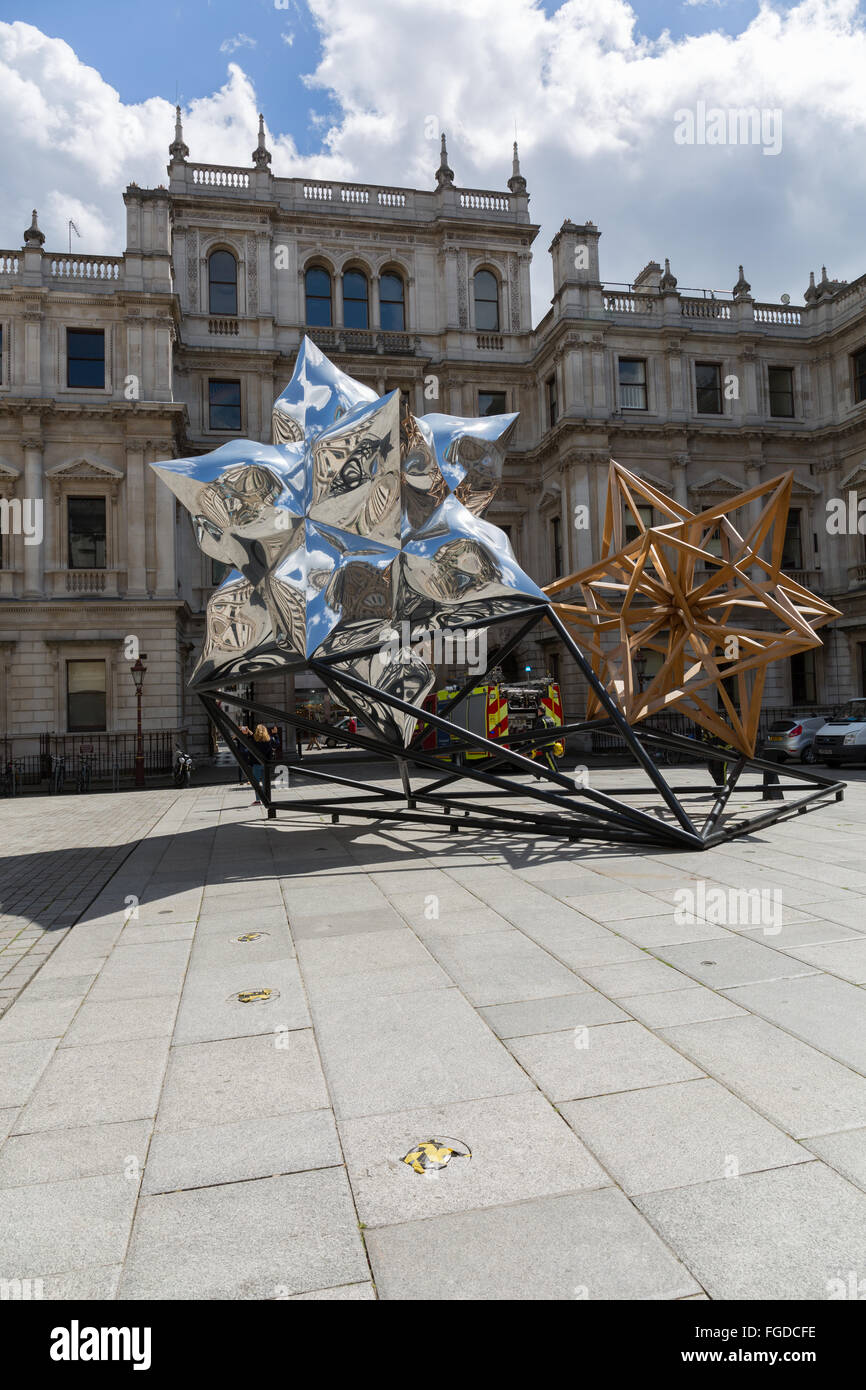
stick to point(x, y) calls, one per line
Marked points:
point(492, 710)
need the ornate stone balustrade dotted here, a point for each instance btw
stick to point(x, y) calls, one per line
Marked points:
point(85, 267)
point(619, 303)
point(220, 176)
point(705, 309)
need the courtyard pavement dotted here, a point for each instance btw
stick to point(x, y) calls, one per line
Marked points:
point(659, 1102)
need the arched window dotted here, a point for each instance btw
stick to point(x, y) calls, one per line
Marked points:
point(486, 302)
point(392, 312)
point(317, 287)
point(355, 305)
point(222, 276)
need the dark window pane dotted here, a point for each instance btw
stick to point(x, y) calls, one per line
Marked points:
point(803, 683)
point(390, 288)
point(223, 283)
point(317, 283)
point(486, 291)
point(781, 380)
point(355, 300)
point(552, 401)
point(792, 551)
point(860, 376)
point(86, 528)
point(85, 358)
point(632, 383)
point(392, 317)
point(225, 405)
point(708, 388)
point(85, 696)
point(491, 403)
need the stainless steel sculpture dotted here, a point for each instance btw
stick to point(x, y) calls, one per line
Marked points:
point(352, 540)
point(353, 527)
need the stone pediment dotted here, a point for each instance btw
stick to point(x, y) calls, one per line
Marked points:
point(93, 470)
point(718, 483)
point(8, 471)
point(856, 478)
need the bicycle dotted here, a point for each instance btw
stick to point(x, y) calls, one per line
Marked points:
point(58, 776)
point(84, 772)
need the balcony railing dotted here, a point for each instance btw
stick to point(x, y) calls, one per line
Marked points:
point(704, 309)
point(374, 340)
point(85, 267)
point(615, 303)
point(86, 581)
point(224, 327)
point(219, 176)
point(490, 342)
point(777, 313)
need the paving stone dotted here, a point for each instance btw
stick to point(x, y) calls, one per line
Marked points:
point(502, 967)
point(97, 1085)
point(731, 961)
point(670, 1007)
point(234, 1152)
point(222, 924)
point(55, 1155)
point(645, 976)
point(96, 1283)
point(401, 1051)
point(806, 931)
point(791, 1083)
point(825, 1012)
point(353, 1293)
point(611, 1057)
point(664, 931)
point(152, 933)
point(53, 1227)
point(7, 1121)
point(584, 1009)
point(786, 1234)
point(63, 987)
point(59, 966)
point(344, 922)
point(619, 905)
point(139, 972)
point(672, 1136)
point(577, 951)
point(845, 1152)
point(369, 964)
point(119, 1020)
point(846, 959)
point(42, 1019)
point(520, 1149)
point(21, 1065)
point(241, 1079)
point(246, 1240)
point(592, 1245)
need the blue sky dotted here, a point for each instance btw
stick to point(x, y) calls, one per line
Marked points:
point(349, 89)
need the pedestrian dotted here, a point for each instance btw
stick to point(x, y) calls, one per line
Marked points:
point(276, 742)
point(261, 758)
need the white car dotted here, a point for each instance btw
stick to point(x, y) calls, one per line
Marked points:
point(843, 738)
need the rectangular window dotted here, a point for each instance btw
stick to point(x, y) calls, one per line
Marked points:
point(85, 697)
point(85, 517)
point(859, 364)
point(781, 381)
point(632, 530)
point(803, 684)
point(792, 551)
point(708, 388)
point(556, 540)
point(491, 403)
point(552, 402)
point(632, 383)
point(85, 358)
point(225, 405)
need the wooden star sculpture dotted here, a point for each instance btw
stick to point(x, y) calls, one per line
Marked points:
point(714, 605)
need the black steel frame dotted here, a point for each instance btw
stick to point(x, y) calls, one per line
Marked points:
point(567, 809)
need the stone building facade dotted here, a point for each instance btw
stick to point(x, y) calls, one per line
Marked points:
point(184, 341)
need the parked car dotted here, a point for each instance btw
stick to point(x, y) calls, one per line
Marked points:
point(842, 739)
point(792, 738)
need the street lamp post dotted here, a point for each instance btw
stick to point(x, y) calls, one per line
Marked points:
point(138, 673)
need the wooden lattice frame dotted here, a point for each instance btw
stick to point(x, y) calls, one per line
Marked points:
point(648, 595)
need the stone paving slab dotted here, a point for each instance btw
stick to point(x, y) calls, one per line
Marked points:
point(591, 1246)
point(470, 984)
point(778, 1235)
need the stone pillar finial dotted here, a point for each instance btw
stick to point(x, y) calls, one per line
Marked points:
point(444, 175)
point(177, 149)
point(517, 183)
point(33, 236)
point(261, 153)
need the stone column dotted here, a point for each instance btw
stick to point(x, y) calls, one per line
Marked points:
point(34, 555)
point(374, 302)
point(166, 569)
point(681, 488)
point(338, 300)
point(136, 577)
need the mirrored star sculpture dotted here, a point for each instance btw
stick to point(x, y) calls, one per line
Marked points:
point(356, 524)
point(690, 607)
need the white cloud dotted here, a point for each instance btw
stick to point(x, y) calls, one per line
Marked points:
point(239, 41)
point(594, 103)
point(287, 38)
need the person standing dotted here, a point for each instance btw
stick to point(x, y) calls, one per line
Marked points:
point(262, 757)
